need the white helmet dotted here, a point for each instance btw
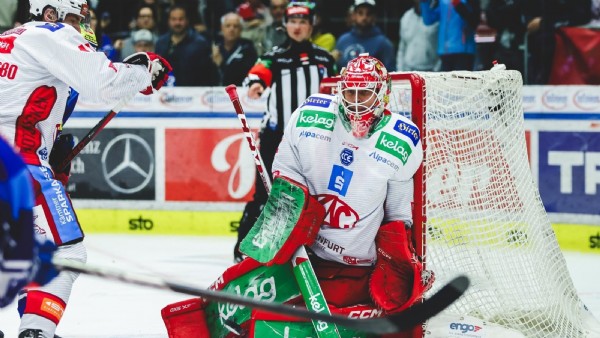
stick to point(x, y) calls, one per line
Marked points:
point(62, 7)
point(77, 7)
point(37, 6)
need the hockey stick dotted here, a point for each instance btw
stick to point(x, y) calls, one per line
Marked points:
point(398, 322)
point(91, 135)
point(303, 270)
point(260, 165)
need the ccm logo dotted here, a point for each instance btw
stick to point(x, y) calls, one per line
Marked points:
point(365, 314)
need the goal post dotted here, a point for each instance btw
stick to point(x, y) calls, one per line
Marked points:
point(477, 209)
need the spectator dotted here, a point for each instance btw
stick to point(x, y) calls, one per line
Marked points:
point(159, 8)
point(365, 37)
point(506, 16)
point(417, 47)
point(595, 13)
point(275, 34)
point(234, 55)
point(143, 41)
point(145, 18)
point(256, 19)
point(211, 11)
point(320, 36)
point(293, 72)
point(458, 20)
point(105, 44)
point(187, 51)
point(543, 17)
point(119, 13)
point(13, 13)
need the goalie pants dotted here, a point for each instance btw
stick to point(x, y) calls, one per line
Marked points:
point(342, 285)
point(268, 142)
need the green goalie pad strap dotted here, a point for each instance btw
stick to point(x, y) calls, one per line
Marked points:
point(266, 324)
point(291, 218)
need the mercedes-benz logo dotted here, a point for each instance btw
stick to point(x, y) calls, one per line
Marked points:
point(130, 166)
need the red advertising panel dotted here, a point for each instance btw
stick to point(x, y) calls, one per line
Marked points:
point(208, 165)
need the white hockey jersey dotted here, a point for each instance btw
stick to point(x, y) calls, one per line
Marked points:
point(39, 61)
point(362, 183)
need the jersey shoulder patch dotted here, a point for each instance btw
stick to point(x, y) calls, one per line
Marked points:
point(398, 138)
point(408, 129)
point(318, 100)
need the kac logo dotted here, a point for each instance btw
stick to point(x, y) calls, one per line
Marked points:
point(347, 157)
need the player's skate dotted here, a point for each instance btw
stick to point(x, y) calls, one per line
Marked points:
point(31, 333)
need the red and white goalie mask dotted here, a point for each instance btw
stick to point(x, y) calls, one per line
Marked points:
point(364, 93)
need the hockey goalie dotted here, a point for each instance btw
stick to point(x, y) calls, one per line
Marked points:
point(343, 189)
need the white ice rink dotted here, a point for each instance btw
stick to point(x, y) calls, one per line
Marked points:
point(100, 308)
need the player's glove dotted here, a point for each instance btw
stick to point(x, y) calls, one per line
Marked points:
point(13, 276)
point(157, 66)
point(61, 148)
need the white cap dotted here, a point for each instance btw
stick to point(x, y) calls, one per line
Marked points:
point(142, 35)
point(364, 2)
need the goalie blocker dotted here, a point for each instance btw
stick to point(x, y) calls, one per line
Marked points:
point(292, 218)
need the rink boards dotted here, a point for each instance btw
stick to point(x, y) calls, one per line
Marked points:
point(177, 163)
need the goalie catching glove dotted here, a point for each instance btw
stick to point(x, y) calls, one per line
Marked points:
point(157, 66)
point(398, 279)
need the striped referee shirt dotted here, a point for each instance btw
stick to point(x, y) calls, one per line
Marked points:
point(293, 71)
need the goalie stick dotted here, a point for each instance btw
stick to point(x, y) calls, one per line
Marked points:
point(398, 322)
point(303, 270)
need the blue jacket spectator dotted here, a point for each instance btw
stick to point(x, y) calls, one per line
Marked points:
point(187, 51)
point(365, 37)
point(105, 44)
point(456, 41)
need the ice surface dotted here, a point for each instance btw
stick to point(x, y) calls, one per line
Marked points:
point(100, 308)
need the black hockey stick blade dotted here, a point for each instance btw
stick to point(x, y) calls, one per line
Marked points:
point(397, 322)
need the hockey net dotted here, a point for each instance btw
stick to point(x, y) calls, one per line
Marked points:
point(477, 208)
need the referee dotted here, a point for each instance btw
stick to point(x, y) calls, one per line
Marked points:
point(293, 71)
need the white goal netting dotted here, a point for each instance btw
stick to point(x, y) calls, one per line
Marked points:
point(482, 213)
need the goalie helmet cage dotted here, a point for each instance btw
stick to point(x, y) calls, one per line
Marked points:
point(477, 210)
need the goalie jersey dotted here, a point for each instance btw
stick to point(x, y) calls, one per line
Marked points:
point(362, 183)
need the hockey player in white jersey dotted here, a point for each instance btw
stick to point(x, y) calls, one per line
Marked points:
point(39, 61)
point(354, 161)
point(358, 159)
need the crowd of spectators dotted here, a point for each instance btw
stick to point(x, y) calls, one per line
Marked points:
point(216, 42)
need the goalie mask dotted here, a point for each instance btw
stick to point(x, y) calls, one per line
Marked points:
point(364, 91)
